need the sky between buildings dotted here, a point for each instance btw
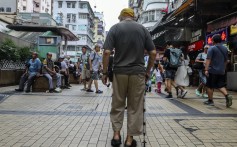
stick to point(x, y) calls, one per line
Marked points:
point(110, 8)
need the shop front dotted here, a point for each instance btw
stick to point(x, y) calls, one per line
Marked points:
point(227, 28)
point(193, 50)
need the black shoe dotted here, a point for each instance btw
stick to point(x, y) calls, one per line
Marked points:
point(27, 91)
point(228, 101)
point(177, 91)
point(149, 89)
point(116, 143)
point(209, 102)
point(108, 85)
point(89, 90)
point(51, 90)
point(69, 85)
point(66, 87)
point(99, 92)
point(169, 96)
point(134, 144)
point(19, 90)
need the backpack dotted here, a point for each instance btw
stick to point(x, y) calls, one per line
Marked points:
point(88, 58)
point(175, 58)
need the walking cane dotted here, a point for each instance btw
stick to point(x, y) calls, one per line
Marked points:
point(144, 118)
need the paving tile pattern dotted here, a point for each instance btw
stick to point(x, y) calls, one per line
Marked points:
point(80, 119)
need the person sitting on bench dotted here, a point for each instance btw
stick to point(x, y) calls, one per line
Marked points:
point(49, 72)
point(32, 70)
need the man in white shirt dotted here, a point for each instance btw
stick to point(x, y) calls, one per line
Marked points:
point(64, 71)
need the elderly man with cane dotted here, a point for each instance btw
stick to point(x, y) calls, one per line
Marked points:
point(129, 39)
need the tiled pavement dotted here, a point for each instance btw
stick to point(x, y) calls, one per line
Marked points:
point(76, 118)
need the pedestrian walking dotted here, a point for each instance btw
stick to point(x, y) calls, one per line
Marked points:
point(95, 67)
point(171, 54)
point(129, 39)
point(149, 83)
point(64, 70)
point(158, 70)
point(67, 61)
point(182, 75)
point(110, 68)
point(49, 72)
point(32, 70)
point(216, 61)
point(200, 64)
point(83, 64)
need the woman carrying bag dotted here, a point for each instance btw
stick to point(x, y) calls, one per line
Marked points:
point(199, 65)
point(182, 75)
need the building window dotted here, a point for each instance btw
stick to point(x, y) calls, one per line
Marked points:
point(152, 16)
point(60, 4)
point(37, 5)
point(82, 16)
point(67, 26)
point(74, 27)
point(42, 7)
point(1, 9)
point(82, 5)
point(74, 16)
point(24, 8)
point(71, 4)
point(69, 18)
point(145, 19)
point(8, 9)
point(46, 10)
point(82, 27)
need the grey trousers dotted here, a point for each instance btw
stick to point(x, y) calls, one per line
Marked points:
point(29, 78)
point(50, 78)
point(131, 87)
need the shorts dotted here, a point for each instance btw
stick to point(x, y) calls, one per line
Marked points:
point(95, 75)
point(170, 74)
point(85, 74)
point(202, 77)
point(215, 81)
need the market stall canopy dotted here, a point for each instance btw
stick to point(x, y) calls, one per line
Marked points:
point(62, 31)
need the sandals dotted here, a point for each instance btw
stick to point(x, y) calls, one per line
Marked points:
point(134, 144)
point(115, 142)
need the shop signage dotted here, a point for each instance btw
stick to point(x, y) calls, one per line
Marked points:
point(196, 36)
point(233, 29)
point(222, 32)
point(221, 24)
point(196, 46)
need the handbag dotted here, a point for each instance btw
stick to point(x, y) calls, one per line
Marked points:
point(198, 65)
point(189, 70)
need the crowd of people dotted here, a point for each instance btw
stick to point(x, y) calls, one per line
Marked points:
point(87, 70)
point(127, 49)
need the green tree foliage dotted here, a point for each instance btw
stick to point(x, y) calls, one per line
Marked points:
point(9, 51)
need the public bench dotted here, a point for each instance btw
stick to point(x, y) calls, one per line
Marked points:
point(41, 83)
point(73, 80)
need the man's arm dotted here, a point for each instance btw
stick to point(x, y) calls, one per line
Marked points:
point(208, 61)
point(152, 57)
point(90, 63)
point(106, 55)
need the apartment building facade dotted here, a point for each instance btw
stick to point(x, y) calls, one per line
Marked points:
point(99, 29)
point(78, 17)
point(35, 6)
point(8, 6)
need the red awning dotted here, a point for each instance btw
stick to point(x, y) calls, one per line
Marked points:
point(196, 46)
